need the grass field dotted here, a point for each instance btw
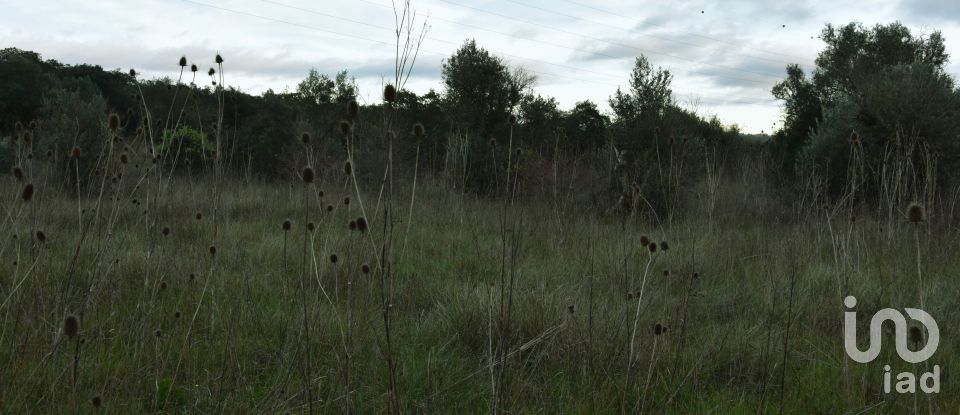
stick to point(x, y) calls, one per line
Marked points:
point(526, 306)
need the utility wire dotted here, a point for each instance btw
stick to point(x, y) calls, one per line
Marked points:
point(455, 44)
point(445, 41)
point(722, 99)
point(598, 39)
point(793, 58)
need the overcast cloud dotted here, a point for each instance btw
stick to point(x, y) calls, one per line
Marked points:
point(725, 56)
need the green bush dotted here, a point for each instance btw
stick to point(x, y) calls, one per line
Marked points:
point(73, 115)
point(186, 146)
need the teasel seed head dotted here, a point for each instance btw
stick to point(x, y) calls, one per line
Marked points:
point(311, 226)
point(644, 240)
point(493, 142)
point(114, 122)
point(333, 258)
point(346, 200)
point(353, 109)
point(390, 93)
point(307, 175)
point(286, 225)
point(27, 193)
point(365, 269)
point(305, 138)
point(75, 152)
point(570, 308)
point(194, 68)
point(71, 326)
point(664, 246)
point(652, 247)
point(512, 119)
point(362, 225)
point(347, 167)
point(218, 59)
point(165, 231)
point(183, 61)
point(41, 237)
point(418, 130)
point(199, 216)
point(18, 173)
point(211, 72)
point(157, 333)
point(213, 250)
point(352, 225)
point(345, 127)
point(97, 401)
point(916, 213)
point(916, 335)
point(124, 158)
point(659, 329)
point(133, 73)
point(163, 285)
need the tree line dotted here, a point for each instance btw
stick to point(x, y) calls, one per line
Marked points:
point(878, 96)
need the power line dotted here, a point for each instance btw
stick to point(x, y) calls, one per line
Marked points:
point(433, 38)
point(770, 52)
point(504, 16)
point(666, 39)
point(618, 77)
point(455, 44)
point(351, 36)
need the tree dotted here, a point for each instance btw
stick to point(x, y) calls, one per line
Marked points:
point(802, 111)
point(23, 84)
point(641, 111)
point(649, 94)
point(317, 88)
point(854, 55)
point(585, 126)
point(73, 115)
point(883, 83)
point(345, 88)
point(320, 89)
point(539, 121)
point(480, 88)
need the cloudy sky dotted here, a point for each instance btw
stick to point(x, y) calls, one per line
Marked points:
point(725, 56)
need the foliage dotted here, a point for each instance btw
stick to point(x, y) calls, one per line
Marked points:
point(480, 89)
point(320, 89)
point(74, 114)
point(885, 84)
point(24, 81)
point(585, 126)
point(649, 95)
point(659, 147)
point(185, 145)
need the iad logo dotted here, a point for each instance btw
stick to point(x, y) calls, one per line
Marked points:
point(906, 381)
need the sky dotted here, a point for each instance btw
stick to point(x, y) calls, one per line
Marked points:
point(725, 56)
